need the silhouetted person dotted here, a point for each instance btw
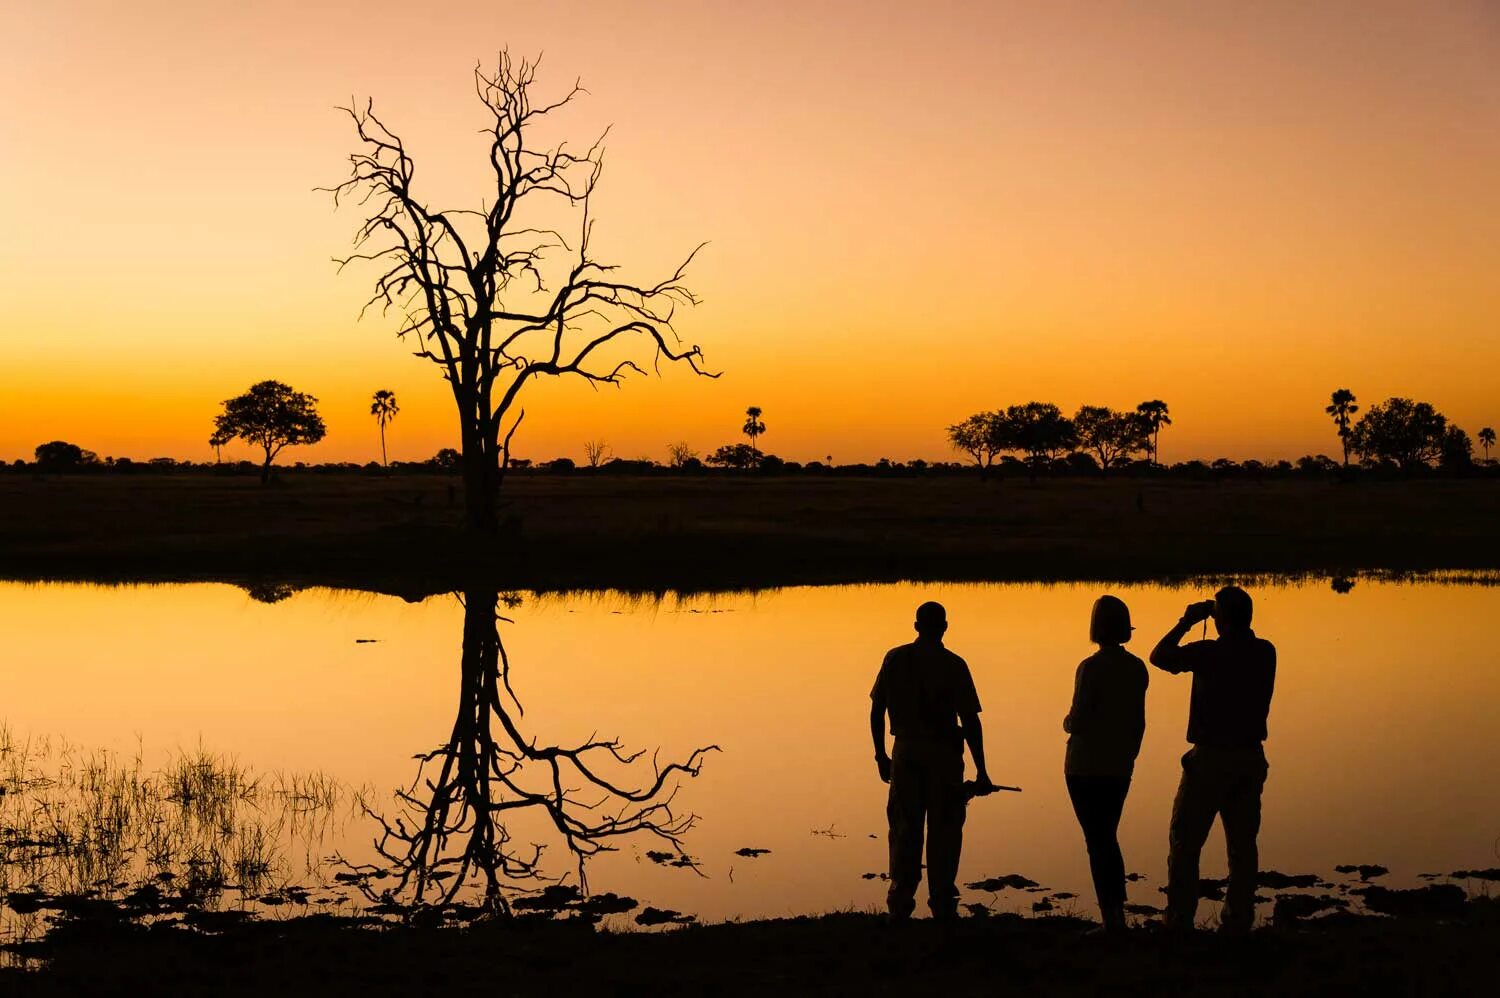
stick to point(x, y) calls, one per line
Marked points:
point(934, 709)
point(1104, 727)
point(1225, 770)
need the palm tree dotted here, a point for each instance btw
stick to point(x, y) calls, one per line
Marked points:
point(753, 428)
point(1154, 413)
point(217, 442)
point(1487, 440)
point(384, 408)
point(1342, 409)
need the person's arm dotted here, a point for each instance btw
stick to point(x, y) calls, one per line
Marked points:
point(1077, 719)
point(974, 736)
point(1169, 655)
point(877, 735)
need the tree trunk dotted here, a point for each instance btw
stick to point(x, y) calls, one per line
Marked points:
point(385, 461)
point(480, 487)
point(265, 469)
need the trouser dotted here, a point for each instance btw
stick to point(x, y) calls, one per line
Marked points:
point(926, 790)
point(1098, 801)
point(1224, 783)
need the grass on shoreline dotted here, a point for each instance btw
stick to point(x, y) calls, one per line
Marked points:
point(401, 535)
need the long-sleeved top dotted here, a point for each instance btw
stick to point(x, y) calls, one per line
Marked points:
point(1233, 678)
point(1108, 716)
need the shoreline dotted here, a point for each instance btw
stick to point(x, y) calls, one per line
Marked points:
point(840, 953)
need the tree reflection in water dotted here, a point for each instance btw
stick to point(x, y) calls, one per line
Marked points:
point(454, 824)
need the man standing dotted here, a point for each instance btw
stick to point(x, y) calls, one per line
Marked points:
point(934, 710)
point(1225, 770)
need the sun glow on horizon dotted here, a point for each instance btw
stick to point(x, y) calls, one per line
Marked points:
point(913, 214)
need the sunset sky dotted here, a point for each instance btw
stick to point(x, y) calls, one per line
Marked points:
point(915, 211)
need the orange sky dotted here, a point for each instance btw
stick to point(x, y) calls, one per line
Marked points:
point(916, 211)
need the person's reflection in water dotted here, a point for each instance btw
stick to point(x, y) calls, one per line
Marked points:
point(934, 709)
point(1105, 725)
point(1224, 772)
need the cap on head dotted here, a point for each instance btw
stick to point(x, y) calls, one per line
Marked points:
point(932, 619)
point(1233, 609)
point(1110, 622)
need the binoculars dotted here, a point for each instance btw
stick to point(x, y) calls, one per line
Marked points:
point(1202, 610)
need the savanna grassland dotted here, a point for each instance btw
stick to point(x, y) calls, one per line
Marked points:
point(403, 533)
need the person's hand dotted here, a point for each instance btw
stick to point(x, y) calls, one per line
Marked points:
point(1068, 724)
point(883, 765)
point(982, 785)
point(1198, 612)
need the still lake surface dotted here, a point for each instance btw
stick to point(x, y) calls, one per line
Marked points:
point(1383, 737)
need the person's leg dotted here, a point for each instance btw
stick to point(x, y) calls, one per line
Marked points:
point(1098, 802)
point(1241, 815)
point(1112, 793)
point(945, 831)
point(905, 814)
point(1192, 816)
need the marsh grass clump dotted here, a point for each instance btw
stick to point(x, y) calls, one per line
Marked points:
point(89, 831)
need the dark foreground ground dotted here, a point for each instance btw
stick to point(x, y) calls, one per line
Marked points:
point(831, 955)
point(400, 534)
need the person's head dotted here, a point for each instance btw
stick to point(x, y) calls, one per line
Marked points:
point(932, 620)
point(1232, 610)
point(1110, 622)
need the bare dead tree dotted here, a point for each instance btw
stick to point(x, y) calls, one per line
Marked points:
point(595, 452)
point(450, 829)
point(493, 297)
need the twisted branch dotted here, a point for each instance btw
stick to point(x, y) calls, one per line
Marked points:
point(492, 302)
point(450, 828)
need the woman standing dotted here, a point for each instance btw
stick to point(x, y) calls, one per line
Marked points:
point(1104, 727)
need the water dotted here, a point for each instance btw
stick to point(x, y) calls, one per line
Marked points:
point(1383, 745)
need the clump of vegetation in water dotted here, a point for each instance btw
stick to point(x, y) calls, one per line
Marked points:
point(92, 833)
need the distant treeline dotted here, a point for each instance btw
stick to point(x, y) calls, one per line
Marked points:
point(1072, 465)
point(1398, 437)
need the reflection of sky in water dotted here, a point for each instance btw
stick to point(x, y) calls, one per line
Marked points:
point(1382, 746)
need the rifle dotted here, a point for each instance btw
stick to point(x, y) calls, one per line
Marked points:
point(971, 790)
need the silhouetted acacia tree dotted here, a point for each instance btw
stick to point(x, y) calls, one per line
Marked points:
point(447, 459)
point(1402, 431)
point(384, 408)
point(455, 821)
point(1487, 440)
point(271, 416)
point(984, 436)
point(1111, 435)
point(733, 456)
point(59, 455)
point(1456, 452)
point(496, 297)
point(753, 428)
point(1342, 408)
point(1156, 415)
point(1040, 431)
point(680, 453)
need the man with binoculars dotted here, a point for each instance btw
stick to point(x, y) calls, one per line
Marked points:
point(1225, 770)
